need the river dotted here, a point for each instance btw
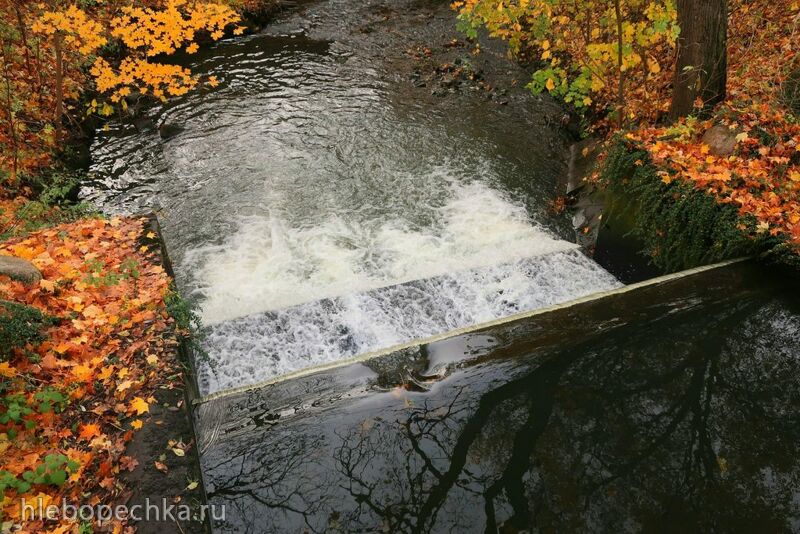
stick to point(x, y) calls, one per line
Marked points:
point(318, 206)
point(340, 192)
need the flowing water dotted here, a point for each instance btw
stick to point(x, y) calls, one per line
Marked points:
point(317, 208)
point(318, 204)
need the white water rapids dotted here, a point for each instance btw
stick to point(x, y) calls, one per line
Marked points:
point(277, 299)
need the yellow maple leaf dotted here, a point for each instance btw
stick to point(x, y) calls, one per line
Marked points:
point(106, 372)
point(47, 285)
point(82, 372)
point(139, 405)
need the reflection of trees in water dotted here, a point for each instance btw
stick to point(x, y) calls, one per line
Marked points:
point(286, 484)
point(640, 429)
point(687, 436)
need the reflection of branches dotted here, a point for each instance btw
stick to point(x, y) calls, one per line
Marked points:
point(279, 484)
point(702, 362)
point(612, 428)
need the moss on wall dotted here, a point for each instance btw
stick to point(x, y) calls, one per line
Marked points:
point(682, 227)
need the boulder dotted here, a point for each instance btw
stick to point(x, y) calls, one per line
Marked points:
point(19, 269)
point(721, 140)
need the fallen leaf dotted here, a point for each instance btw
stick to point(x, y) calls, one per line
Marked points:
point(139, 405)
point(89, 431)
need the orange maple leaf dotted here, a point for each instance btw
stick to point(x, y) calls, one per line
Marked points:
point(89, 431)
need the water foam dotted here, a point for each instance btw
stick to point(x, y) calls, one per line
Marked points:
point(268, 264)
point(251, 349)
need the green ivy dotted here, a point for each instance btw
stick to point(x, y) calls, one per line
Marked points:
point(54, 471)
point(681, 226)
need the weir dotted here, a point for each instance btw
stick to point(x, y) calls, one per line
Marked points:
point(599, 413)
point(314, 211)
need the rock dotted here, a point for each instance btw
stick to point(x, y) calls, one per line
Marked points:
point(721, 140)
point(19, 269)
point(143, 124)
point(169, 130)
point(582, 158)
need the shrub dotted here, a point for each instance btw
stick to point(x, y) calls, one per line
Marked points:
point(20, 325)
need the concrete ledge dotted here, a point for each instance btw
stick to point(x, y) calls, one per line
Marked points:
point(511, 318)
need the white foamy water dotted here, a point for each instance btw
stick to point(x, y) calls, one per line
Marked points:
point(257, 347)
point(267, 265)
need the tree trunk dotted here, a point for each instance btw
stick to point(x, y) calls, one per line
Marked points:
point(702, 66)
point(59, 87)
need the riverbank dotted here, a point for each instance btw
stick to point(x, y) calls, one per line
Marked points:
point(87, 386)
point(92, 404)
point(742, 154)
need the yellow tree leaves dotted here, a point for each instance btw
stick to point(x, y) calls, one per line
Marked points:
point(80, 31)
point(164, 31)
point(146, 32)
point(585, 53)
point(150, 32)
point(157, 79)
point(47, 47)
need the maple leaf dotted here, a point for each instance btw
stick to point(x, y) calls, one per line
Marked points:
point(6, 370)
point(82, 372)
point(105, 372)
point(89, 431)
point(47, 285)
point(49, 361)
point(139, 405)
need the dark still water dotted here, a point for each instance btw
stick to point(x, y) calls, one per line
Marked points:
point(669, 409)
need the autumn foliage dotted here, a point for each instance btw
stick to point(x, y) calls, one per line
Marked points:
point(71, 403)
point(617, 59)
point(55, 54)
point(762, 175)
